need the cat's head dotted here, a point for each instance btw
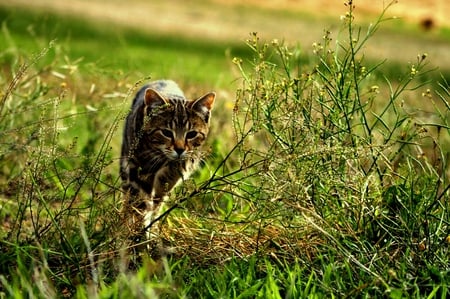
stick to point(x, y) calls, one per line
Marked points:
point(177, 127)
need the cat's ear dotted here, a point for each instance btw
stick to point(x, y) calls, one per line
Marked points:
point(204, 104)
point(153, 99)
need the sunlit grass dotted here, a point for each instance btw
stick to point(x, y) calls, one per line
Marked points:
point(137, 53)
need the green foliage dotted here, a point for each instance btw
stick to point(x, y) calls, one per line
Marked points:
point(331, 188)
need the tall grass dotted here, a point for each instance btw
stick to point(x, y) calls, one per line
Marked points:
point(56, 187)
point(336, 163)
point(331, 187)
point(358, 175)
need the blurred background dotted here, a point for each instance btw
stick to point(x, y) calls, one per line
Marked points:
point(295, 21)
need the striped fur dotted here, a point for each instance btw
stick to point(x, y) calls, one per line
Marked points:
point(161, 143)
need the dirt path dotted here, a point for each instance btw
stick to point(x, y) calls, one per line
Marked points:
point(411, 10)
point(297, 21)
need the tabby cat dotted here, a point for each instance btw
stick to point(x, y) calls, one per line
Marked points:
point(161, 146)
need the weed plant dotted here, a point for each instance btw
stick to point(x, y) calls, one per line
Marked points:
point(331, 188)
point(336, 163)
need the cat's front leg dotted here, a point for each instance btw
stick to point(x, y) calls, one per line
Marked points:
point(152, 211)
point(165, 180)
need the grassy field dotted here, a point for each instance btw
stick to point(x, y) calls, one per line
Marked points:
point(327, 173)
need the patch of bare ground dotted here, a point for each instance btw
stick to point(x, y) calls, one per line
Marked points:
point(416, 11)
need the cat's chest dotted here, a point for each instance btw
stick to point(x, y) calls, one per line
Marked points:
point(168, 168)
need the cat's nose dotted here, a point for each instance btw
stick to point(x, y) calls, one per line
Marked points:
point(179, 151)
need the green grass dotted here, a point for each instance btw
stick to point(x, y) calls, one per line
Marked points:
point(319, 184)
point(136, 52)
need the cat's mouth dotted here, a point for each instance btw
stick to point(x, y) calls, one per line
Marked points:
point(177, 155)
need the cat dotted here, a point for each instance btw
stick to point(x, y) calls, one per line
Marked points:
point(161, 146)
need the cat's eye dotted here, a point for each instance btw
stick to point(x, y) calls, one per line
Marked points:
point(191, 134)
point(167, 133)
